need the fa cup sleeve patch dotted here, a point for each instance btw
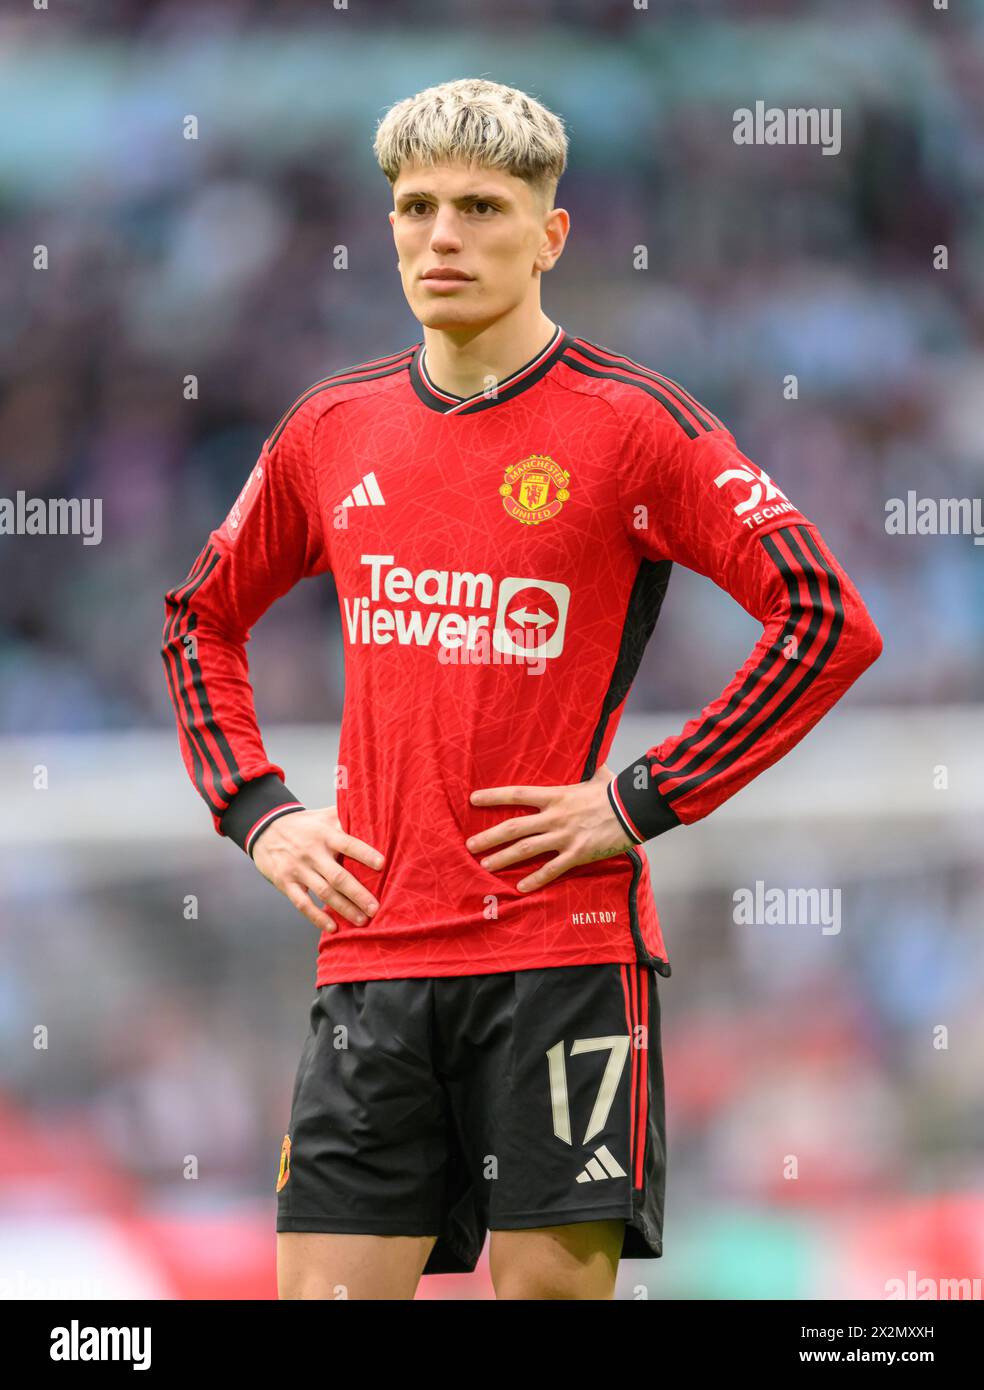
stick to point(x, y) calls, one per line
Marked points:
point(284, 1163)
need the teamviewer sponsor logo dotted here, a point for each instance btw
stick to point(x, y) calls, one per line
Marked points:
point(469, 617)
point(534, 608)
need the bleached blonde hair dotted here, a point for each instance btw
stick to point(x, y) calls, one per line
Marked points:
point(475, 121)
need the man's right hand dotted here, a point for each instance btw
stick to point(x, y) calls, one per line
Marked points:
point(297, 853)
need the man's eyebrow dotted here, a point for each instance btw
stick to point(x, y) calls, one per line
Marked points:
point(478, 196)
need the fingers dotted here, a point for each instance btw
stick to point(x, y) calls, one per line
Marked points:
point(513, 796)
point(341, 899)
point(297, 855)
point(357, 849)
point(507, 830)
point(336, 897)
point(557, 866)
point(339, 841)
point(327, 870)
point(522, 849)
point(298, 896)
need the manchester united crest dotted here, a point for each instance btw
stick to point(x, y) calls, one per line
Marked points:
point(284, 1163)
point(535, 490)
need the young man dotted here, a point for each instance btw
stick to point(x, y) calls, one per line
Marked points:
point(499, 506)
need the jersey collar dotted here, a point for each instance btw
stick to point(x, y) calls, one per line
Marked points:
point(513, 385)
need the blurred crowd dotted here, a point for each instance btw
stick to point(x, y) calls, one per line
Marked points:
point(215, 258)
point(164, 1088)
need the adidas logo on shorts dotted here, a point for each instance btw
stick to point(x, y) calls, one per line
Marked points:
point(603, 1165)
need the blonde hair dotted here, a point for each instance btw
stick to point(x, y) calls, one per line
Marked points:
point(475, 121)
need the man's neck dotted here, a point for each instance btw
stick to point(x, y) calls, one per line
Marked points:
point(463, 363)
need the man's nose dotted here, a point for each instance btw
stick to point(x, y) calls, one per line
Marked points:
point(446, 234)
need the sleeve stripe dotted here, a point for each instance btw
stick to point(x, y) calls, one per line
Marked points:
point(208, 727)
point(204, 734)
point(170, 651)
point(195, 570)
point(350, 376)
point(824, 612)
point(216, 807)
point(771, 661)
point(176, 598)
point(689, 428)
point(604, 357)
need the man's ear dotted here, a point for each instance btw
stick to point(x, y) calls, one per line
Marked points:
point(392, 215)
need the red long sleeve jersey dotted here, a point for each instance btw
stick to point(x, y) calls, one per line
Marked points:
point(500, 561)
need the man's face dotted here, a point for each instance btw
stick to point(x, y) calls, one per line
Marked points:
point(485, 225)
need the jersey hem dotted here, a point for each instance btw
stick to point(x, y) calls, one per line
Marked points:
point(449, 971)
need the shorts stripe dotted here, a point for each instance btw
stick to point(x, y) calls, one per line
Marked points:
point(643, 1055)
point(629, 977)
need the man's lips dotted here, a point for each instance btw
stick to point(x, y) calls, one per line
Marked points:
point(445, 278)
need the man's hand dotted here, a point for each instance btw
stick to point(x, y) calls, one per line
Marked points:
point(577, 821)
point(297, 853)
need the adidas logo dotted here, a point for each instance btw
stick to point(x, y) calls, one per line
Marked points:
point(603, 1165)
point(365, 494)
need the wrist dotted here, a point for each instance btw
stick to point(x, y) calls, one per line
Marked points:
point(639, 806)
point(254, 809)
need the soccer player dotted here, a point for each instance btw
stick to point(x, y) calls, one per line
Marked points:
point(499, 506)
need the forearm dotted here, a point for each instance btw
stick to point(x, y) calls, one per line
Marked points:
point(208, 682)
point(817, 639)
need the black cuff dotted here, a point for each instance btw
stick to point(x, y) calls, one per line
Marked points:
point(255, 806)
point(643, 811)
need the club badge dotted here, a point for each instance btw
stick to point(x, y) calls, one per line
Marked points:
point(534, 490)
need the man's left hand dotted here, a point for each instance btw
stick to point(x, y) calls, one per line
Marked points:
point(577, 822)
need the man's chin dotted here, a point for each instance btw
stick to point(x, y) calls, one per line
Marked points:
point(448, 315)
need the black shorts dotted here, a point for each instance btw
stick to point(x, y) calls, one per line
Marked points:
point(457, 1105)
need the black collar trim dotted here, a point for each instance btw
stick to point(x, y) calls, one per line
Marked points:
point(518, 381)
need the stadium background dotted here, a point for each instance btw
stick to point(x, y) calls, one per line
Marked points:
point(171, 1037)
